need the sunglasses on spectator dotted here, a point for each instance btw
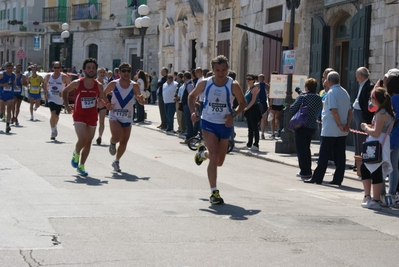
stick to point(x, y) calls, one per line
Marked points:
point(249, 79)
point(170, 77)
point(56, 67)
point(126, 70)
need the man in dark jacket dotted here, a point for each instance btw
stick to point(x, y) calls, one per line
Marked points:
point(360, 107)
point(161, 104)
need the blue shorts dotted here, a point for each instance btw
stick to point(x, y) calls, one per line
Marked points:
point(35, 96)
point(6, 96)
point(220, 130)
point(122, 124)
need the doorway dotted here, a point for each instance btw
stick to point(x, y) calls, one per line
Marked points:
point(341, 49)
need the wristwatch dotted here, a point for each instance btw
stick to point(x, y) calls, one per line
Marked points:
point(233, 114)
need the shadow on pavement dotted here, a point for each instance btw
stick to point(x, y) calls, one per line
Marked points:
point(128, 177)
point(235, 212)
point(87, 180)
point(55, 142)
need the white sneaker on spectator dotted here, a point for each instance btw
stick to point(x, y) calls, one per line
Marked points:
point(366, 199)
point(254, 148)
point(372, 204)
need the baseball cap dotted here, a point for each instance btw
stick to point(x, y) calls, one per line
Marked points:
point(391, 71)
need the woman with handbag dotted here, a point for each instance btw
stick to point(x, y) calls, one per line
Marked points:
point(252, 113)
point(377, 164)
point(303, 134)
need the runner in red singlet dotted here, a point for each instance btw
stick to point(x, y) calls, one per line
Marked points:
point(87, 92)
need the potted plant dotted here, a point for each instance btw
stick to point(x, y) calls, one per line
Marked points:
point(36, 23)
point(23, 28)
point(20, 22)
point(112, 16)
point(12, 22)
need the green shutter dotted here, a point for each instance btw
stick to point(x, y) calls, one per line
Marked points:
point(142, 2)
point(22, 13)
point(62, 10)
point(14, 13)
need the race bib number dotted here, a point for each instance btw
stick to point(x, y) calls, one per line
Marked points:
point(88, 102)
point(34, 90)
point(7, 89)
point(123, 115)
point(216, 108)
point(17, 89)
point(55, 92)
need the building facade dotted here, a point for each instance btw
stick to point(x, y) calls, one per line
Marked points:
point(101, 29)
point(21, 31)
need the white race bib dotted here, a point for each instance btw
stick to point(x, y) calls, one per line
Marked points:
point(216, 109)
point(123, 115)
point(17, 89)
point(7, 89)
point(88, 102)
point(34, 90)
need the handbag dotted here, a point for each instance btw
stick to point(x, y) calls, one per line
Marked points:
point(372, 150)
point(300, 118)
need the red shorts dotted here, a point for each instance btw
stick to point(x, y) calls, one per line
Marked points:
point(90, 121)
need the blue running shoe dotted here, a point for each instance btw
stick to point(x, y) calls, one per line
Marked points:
point(75, 160)
point(81, 170)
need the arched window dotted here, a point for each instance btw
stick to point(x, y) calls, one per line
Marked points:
point(93, 51)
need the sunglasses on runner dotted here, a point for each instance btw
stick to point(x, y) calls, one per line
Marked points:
point(125, 70)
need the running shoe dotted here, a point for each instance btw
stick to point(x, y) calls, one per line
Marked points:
point(98, 141)
point(31, 118)
point(115, 164)
point(272, 136)
point(262, 136)
point(197, 158)
point(75, 160)
point(55, 132)
point(215, 198)
point(112, 148)
point(372, 204)
point(8, 128)
point(52, 137)
point(16, 122)
point(254, 148)
point(81, 170)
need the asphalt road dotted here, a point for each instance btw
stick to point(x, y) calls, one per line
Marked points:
point(156, 212)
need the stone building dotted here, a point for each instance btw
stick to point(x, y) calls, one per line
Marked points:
point(21, 31)
point(102, 29)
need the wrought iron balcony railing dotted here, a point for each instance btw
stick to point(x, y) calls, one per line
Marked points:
point(55, 14)
point(86, 11)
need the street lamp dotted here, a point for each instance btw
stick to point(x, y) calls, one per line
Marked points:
point(65, 35)
point(142, 23)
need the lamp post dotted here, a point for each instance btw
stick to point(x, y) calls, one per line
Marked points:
point(142, 23)
point(65, 35)
point(287, 144)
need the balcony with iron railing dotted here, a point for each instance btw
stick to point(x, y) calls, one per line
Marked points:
point(55, 15)
point(87, 12)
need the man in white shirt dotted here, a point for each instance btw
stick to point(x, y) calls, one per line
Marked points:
point(168, 93)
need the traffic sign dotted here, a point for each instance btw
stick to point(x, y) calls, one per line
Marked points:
point(21, 54)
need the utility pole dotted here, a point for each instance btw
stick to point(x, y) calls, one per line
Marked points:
point(287, 144)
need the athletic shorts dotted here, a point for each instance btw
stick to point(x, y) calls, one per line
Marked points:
point(35, 96)
point(20, 97)
point(122, 124)
point(54, 107)
point(6, 96)
point(220, 130)
point(263, 107)
point(277, 108)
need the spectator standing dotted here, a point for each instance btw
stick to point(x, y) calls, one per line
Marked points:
point(153, 87)
point(303, 135)
point(373, 174)
point(252, 112)
point(168, 93)
point(263, 94)
point(188, 88)
point(336, 118)
point(361, 114)
point(161, 104)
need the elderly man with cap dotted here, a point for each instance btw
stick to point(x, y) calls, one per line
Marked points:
point(360, 108)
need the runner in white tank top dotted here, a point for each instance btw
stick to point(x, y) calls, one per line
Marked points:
point(55, 88)
point(124, 91)
point(218, 101)
point(217, 119)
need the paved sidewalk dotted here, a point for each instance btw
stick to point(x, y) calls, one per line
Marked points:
point(266, 147)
